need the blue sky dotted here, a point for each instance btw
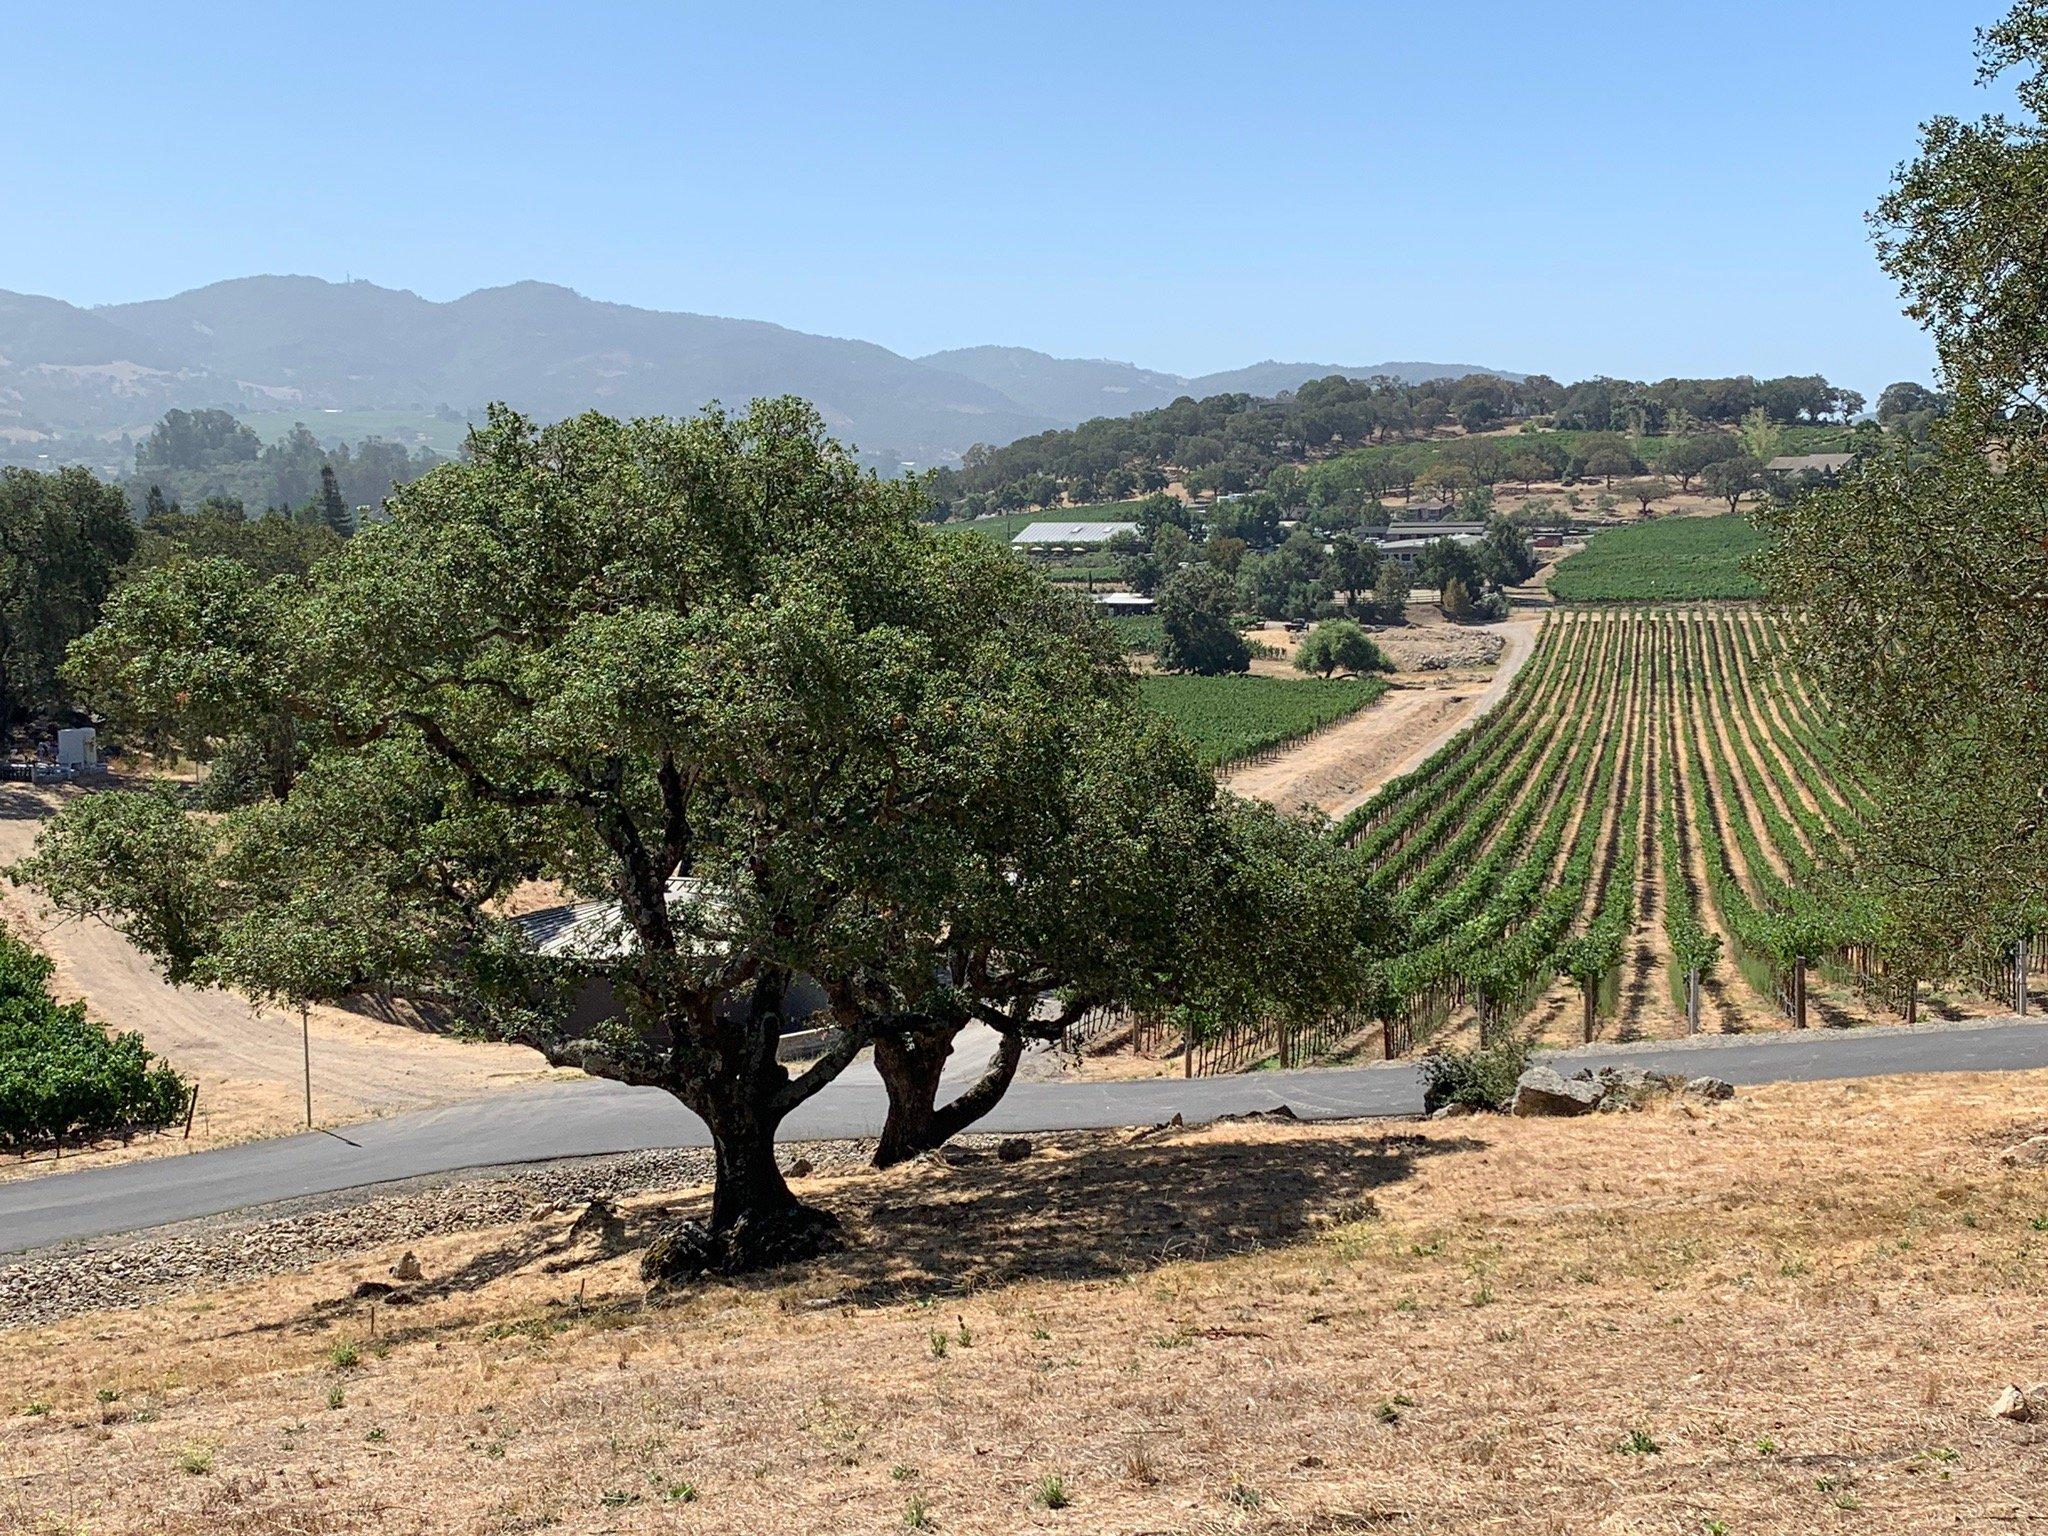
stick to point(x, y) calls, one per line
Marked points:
point(1578, 189)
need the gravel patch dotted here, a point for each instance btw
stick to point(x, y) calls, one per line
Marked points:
point(135, 1269)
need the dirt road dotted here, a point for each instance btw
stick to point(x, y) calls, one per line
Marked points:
point(248, 1063)
point(1341, 767)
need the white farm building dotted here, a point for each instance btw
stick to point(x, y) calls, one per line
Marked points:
point(1069, 535)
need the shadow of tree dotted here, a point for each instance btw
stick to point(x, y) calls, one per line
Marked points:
point(961, 1222)
point(20, 803)
point(971, 1222)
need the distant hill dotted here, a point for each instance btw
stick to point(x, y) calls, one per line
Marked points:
point(75, 383)
point(1071, 390)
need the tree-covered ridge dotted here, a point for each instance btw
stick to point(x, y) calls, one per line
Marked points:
point(1236, 442)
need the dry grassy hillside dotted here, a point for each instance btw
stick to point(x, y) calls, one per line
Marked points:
point(1788, 1313)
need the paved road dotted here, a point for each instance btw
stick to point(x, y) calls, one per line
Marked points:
point(585, 1118)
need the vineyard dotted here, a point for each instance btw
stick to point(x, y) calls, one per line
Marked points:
point(1233, 719)
point(1676, 559)
point(1639, 841)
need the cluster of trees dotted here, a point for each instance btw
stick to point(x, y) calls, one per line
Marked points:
point(1924, 574)
point(192, 457)
point(1206, 588)
point(68, 542)
point(62, 1077)
point(1676, 406)
point(1235, 443)
point(1339, 645)
point(64, 538)
point(711, 670)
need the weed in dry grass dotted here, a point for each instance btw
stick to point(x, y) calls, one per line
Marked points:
point(195, 1460)
point(1139, 1467)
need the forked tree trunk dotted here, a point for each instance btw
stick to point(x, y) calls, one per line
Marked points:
point(912, 1068)
point(910, 1064)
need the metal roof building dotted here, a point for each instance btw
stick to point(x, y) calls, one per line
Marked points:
point(1043, 535)
point(1124, 602)
point(1810, 463)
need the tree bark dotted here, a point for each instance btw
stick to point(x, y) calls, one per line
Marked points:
point(910, 1062)
point(911, 1067)
point(734, 1084)
point(748, 1184)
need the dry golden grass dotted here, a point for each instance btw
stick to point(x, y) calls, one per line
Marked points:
point(1804, 1300)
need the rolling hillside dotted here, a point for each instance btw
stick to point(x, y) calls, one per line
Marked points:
point(75, 381)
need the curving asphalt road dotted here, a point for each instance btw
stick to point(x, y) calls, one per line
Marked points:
point(580, 1119)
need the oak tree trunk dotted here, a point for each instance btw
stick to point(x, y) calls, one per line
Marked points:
point(736, 1087)
point(911, 1067)
point(910, 1064)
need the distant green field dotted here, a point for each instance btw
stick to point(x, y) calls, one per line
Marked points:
point(1232, 718)
point(413, 428)
point(1004, 525)
point(1674, 559)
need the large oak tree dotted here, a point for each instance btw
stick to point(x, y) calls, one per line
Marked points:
point(708, 669)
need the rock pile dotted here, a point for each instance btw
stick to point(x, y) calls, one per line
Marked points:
point(1544, 1091)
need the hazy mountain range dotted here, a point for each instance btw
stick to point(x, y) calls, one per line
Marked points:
point(74, 381)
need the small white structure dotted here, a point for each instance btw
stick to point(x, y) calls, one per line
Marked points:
point(78, 748)
point(1405, 552)
point(1069, 535)
point(1115, 603)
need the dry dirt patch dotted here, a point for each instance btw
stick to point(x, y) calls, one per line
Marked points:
point(1784, 1314)
point(1446, 675)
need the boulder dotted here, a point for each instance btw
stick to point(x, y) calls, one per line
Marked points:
point(1543, 1091)
point(1013, 1149)
point(407, 1268)
point(1627, 1087)
point(800, 1169)
point(2022, 1407)
point(1711, 1088)
point(600, 1219)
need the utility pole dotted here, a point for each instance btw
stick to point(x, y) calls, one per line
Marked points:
point(306, 1049)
